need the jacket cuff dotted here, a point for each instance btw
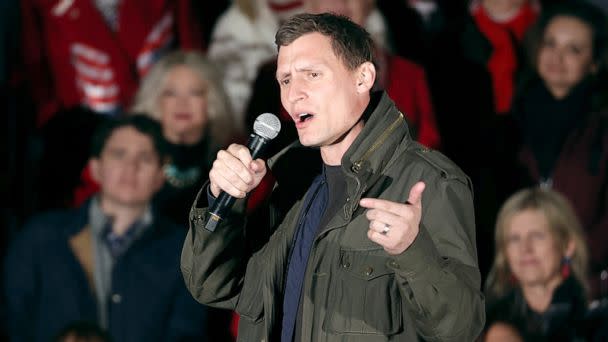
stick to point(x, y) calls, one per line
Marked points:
point(420, 259)
point(199, 212)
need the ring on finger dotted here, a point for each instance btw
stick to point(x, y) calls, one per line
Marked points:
point(385, 229)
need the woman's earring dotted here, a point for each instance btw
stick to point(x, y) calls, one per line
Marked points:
point(566, 261)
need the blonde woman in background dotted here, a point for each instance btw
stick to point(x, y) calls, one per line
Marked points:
point(184, 94)
point(537, 287)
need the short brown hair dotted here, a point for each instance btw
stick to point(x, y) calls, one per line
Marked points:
point(349, 41)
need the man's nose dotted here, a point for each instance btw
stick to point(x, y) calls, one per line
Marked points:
point(131, 163)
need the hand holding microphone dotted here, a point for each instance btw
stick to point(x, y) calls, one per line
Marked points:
point(237, 171)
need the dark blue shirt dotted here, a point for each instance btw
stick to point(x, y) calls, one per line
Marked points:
point(310, 218)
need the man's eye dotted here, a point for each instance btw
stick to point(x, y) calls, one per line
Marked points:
point(285, 82)
point(148, 158)
point(314, 74)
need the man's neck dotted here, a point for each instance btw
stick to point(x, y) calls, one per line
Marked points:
point(332, 154)
point(122, 216)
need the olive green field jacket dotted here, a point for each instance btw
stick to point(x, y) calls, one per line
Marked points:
point(353, 290)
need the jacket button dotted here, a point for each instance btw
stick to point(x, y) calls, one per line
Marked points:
point(116, 298)
point(346, 264)
point(393, 264)
point(368, 271)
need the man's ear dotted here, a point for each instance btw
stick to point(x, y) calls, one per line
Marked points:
point(366, 76)
point(95, 167)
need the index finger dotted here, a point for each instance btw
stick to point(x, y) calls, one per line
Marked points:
point(386, 205)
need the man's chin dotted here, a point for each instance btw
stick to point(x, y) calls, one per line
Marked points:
point(308, 142)
point(129, 201)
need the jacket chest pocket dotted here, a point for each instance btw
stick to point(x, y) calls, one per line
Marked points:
point(364, 296)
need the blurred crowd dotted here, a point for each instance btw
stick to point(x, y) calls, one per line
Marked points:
point(116, 109)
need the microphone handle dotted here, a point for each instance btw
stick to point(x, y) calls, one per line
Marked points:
point(256, 145)
point(224, 201)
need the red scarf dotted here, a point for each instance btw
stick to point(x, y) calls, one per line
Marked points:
point(503, 61)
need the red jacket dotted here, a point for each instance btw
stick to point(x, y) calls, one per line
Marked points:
point(408, 87)
point(72, 57)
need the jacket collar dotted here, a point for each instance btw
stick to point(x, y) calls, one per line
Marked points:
point(384, 130)
point(82, 219)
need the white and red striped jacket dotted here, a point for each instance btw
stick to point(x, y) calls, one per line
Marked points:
point(72, 57)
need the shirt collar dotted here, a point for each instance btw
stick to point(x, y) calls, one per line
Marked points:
point(100, 221)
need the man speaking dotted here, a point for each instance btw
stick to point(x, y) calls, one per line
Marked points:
point(380, 247)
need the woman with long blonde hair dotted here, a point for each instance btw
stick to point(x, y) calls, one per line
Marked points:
point(538, 283)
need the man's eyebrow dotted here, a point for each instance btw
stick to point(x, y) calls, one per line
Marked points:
point(310, 67)
point(280, 75)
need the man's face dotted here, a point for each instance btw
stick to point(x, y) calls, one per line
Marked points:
point(128, 169)
point(323, 97)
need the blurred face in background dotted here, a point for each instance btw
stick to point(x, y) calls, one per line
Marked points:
point(566, 54)
point(128, 169)
point(183, 106)
point(532, 251)
point(356, 10)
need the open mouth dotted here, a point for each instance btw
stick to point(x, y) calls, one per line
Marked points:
point(304, 117)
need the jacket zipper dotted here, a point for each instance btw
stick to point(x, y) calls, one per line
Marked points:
point(357, 165)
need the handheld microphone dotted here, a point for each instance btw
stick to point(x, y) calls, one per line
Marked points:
point(265, 128)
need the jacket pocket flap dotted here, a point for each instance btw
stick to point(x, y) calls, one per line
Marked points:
point(364, 265)
point(365, 299)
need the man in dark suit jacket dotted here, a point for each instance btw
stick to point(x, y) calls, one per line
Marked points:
point(113, 261)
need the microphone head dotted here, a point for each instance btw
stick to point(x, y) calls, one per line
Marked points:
point(267, 126)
